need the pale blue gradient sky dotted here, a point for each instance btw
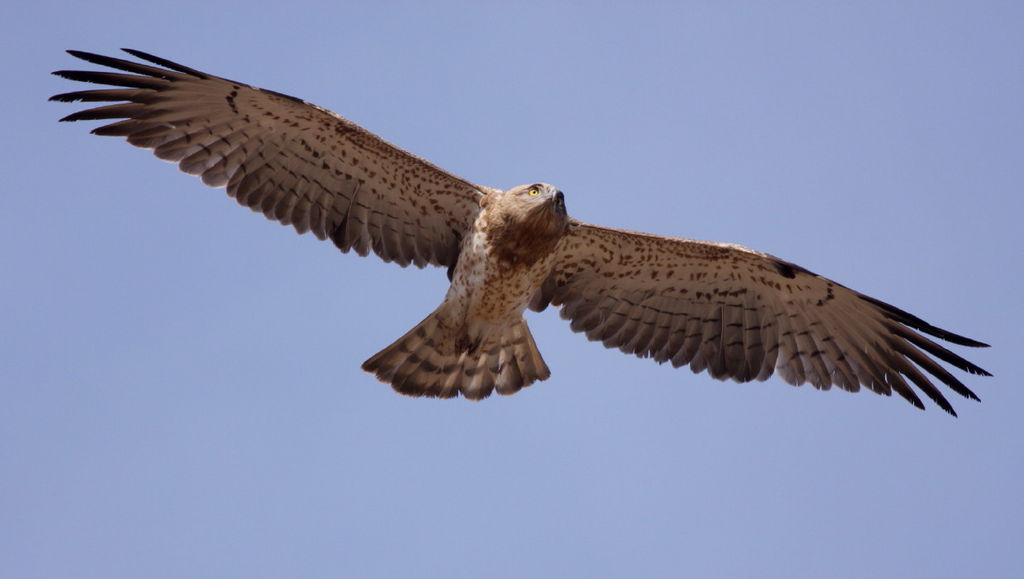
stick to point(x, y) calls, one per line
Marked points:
point(181, 388)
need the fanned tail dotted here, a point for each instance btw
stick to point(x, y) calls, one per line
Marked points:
point(429, 361)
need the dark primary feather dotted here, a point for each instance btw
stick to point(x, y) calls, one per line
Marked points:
point(743, 315)
point(296, 163)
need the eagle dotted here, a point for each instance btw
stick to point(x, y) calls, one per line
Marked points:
point(722, 308)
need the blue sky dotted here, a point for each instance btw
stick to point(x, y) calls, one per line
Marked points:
point(181, 393)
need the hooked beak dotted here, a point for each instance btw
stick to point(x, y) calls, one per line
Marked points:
point(559, 201)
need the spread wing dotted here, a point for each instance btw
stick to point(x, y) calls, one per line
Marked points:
point(295, 162)
point(744, 315)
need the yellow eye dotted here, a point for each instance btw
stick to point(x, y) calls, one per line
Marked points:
point(533, 191)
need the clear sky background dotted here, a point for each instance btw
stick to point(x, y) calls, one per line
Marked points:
point(181, 392)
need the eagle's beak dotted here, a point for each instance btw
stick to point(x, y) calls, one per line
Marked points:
point(559, 202)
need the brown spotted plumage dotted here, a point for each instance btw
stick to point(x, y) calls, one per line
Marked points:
point(726, 309)
point(477, 340)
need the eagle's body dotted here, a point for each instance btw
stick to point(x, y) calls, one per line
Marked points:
point(509, 253)
point(731, 311)
point(477, 340)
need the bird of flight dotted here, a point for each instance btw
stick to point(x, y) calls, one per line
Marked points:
point(731, 311)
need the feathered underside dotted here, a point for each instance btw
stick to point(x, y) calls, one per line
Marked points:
point(730, 311)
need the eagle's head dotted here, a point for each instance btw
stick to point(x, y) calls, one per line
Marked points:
point(539, 206)
point(527, 220)
point(535, 198)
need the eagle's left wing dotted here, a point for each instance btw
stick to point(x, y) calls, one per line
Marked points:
point(742, 314)
point(295, 162)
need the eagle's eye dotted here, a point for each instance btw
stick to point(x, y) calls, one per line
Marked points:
point(533, 191)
